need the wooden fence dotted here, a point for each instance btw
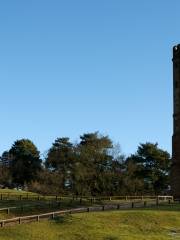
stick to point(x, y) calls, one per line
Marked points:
point(53, 215)
point(30, 206)
point(30, 196)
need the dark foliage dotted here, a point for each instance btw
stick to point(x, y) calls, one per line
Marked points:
point(94, 166)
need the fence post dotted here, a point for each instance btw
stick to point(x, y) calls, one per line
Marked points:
point(2, 224)
point(145, 203)
point(38, 218)
point(169, 201)
point(19, 220)
point(132, 204)
point(8, 210)
point(126, 198)
point(80, 200)
point(103, 208)
point(118, 206)
point(88, 210)
point(52, 215)
point(157, 201)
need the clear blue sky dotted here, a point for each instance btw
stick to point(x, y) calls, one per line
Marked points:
point(70, 67)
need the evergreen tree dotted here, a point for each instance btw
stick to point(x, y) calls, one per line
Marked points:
point(26, 162)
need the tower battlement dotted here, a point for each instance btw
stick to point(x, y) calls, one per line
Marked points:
point(176, 52)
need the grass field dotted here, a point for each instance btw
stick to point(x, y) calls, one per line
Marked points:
point(156, 224)
point(14, 191)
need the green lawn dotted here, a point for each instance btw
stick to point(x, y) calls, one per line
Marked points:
point(147, 224)
point(13, 191)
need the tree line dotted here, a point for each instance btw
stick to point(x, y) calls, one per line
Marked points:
point(93, 166)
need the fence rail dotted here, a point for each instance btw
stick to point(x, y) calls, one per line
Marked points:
point(31, 196)
point(38, 205)
point(52, 215)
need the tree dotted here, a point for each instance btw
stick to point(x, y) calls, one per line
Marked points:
point(48, 182)
point(152, 165)
point(94, 164)
point(60, 158)
point(132, 183)
point(5, 176)
point(26, 162)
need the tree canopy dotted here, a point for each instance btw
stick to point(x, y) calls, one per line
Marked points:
point(93, 166)
point(26, 162)
point(151, 167)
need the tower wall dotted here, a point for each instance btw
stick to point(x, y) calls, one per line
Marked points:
point(175, 171)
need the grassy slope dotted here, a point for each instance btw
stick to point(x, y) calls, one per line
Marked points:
point(13, 191)
point(114, 225)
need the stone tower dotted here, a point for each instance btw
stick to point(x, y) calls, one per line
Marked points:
point(175, 171)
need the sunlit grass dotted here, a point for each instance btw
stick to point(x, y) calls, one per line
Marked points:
point(113, 225)
point(13, 191)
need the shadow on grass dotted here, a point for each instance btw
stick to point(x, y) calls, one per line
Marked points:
point(111, 238)
point(67, 218)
